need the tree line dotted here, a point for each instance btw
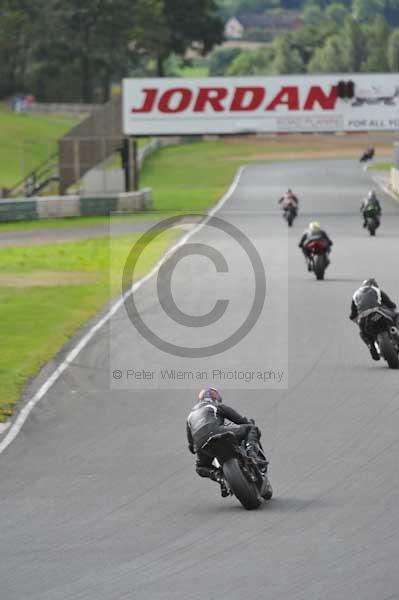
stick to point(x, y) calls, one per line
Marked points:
point(363, 9)
point(332, 40)
point(69, 50)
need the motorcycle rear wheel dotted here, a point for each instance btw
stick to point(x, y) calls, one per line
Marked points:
point(319, 266)
point(371, 226)
point(245, 491)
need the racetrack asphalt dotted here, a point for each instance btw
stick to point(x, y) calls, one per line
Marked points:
point(98, 495)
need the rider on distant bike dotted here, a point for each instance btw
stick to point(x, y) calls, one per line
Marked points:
point(206, 419)
point(371, 201)
point(369, 296)
point(289, 199)
point(367, 155)
point(313, 232)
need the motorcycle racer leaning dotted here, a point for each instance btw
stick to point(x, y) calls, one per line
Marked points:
point(207, 418)
point(370, 201)
point(313, 232)
point(289, 199)
point(369, 295)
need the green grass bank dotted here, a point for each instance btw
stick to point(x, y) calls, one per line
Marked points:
point(26, 140)
point(47, 292)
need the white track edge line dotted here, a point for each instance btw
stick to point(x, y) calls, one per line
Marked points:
point(385, 188)
point(56, 374)
point(377, 181)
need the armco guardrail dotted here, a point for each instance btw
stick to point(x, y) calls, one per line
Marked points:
point(57, 207)
point(395, 180)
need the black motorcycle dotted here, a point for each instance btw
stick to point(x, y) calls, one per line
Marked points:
point(367, 155)
point(289, 214)
point(380, 325)
point(245, 477)
point(371, 215)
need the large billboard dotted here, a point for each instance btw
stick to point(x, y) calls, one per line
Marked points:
point(233, 105)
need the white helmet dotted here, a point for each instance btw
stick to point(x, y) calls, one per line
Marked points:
point(371, 282)
point(314, 226)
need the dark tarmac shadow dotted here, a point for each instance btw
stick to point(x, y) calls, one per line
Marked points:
point(287, 504)
point(341, 280)
point(381, 365)
point(278, 504)
point(382, 235)
point(328, 280)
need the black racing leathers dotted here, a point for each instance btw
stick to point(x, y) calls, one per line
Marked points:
point(369, 297)
point(207, 419)
point(364, 299)
point(320, 234)
point(308, 236)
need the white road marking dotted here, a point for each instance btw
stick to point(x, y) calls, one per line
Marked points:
point(16, 426)
point(381, 185)
point(385, 188)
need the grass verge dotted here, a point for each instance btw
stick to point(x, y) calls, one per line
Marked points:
point(47, 292)
point(190, 177)
point(26, 140)
point(73, 222)
point(381, 166)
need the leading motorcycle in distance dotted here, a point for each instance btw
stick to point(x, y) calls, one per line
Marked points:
point(371, 216)
point(245, 477)
point(367, 155)
point(379, 324)
point(289, 212)
point(318, 256)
